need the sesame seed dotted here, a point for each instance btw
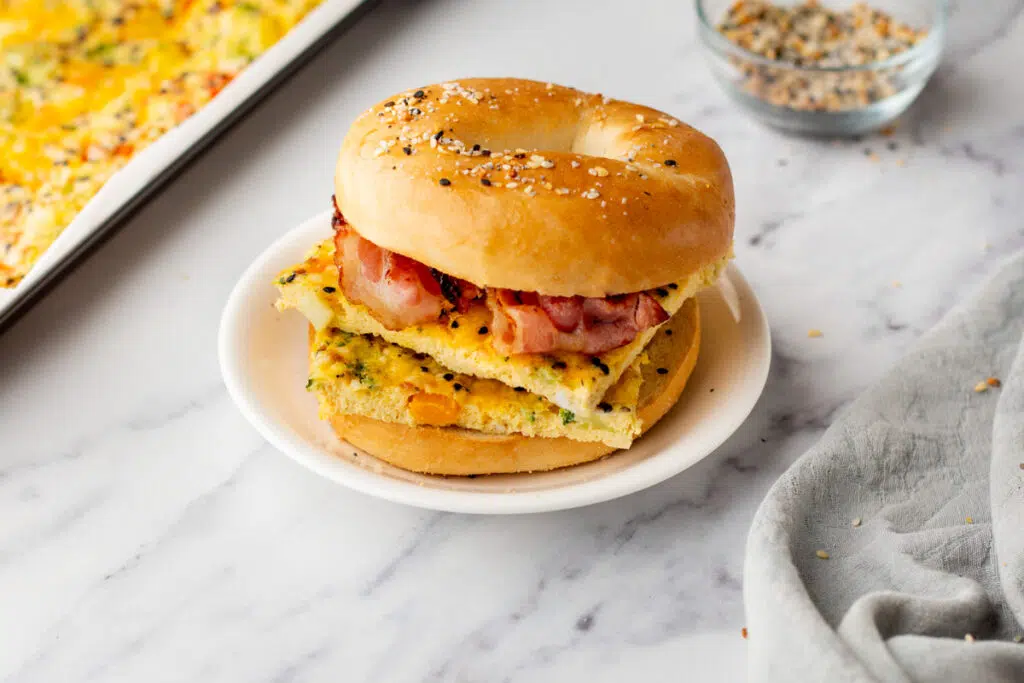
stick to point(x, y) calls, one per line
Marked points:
point(815, 333)
point(980, 387)
point(856, 522)
point(969, 638)
point(993, 382)
point(969, 520)
point(822, 555)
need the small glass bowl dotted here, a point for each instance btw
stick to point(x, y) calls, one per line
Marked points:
point(889, 86)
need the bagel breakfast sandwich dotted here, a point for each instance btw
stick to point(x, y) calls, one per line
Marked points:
point(511, 281)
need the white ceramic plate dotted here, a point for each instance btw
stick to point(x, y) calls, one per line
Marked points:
point(263, 357)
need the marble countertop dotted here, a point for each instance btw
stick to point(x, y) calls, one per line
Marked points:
point(149, 534)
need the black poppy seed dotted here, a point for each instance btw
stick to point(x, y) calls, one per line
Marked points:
point(457, 386)
point(485, 182)
point(661, 291)
point(455, 324)
point(476, 148)
point(599, 364)
point(559, 365)
point(290, 278)
point(389, 103)
point(673, 286)
point(867, 151)
point(486, 152)
point(472, 476)
point(520, 155)
point(330, 290)
point(662, 371)
point(407, 150)
point(424, 368)
point(438, 134)
point(444, 182)
point(892, 145)
point(782, 162)
point(519, 390)
point(668, 332)
point(415, 111)
point(712, 390)
point(670, 162)
point(482, 330)
point(419, 94)
point(604, 407)
point(648, 193)
point(448, 377)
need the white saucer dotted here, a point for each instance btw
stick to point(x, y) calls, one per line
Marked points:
point(265, 366)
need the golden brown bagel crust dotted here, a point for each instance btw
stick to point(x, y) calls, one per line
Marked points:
point(453, 451)
point(610, 197)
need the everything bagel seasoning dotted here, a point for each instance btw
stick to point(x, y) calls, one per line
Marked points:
point(809, 35)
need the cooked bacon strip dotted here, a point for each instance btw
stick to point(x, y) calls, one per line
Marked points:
point(400, 291)
point(529, 323)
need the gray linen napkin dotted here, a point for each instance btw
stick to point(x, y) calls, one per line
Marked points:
point(929, 585)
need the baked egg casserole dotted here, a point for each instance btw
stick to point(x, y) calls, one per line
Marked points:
point(85, 85)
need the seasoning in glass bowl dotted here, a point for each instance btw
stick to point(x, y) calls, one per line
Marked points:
point(812, 37)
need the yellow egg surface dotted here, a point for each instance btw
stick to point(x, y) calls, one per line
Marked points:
point(85, 85)
point(365, 375)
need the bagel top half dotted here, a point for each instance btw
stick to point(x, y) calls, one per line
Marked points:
point(536, 187)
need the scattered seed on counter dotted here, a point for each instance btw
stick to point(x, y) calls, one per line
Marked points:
point(815, 333)
point(810, 35)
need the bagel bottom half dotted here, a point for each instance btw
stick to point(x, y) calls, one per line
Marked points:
point(455, 451)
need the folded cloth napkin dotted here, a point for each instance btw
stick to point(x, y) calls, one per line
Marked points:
point(894, 549)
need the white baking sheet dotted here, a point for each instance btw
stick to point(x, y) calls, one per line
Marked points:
point(153, 164)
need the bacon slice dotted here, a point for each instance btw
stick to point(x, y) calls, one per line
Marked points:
point(400, 291)
point(529, 323)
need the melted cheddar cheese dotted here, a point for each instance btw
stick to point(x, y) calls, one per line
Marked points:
point(86, 84)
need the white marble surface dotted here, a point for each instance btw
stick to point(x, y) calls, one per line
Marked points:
point(149, 534)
